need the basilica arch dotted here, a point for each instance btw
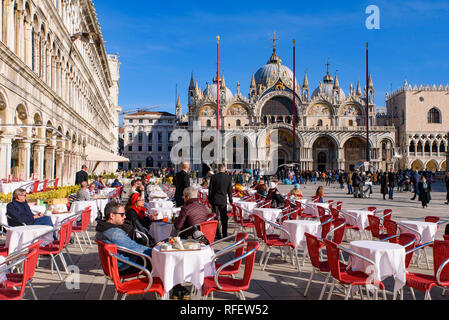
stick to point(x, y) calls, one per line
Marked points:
point(324, 153)
point(354, 152)
point(281, 101)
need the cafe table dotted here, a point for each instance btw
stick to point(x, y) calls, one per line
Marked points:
point(388, 258)
point(159, 203)
point(79, 206)
point(297, 230)
point(312, 208)
point(20, 237)
point(177, 267)
point(247, 208)
point(426, 231)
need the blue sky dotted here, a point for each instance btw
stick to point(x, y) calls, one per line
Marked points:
point(161, 43)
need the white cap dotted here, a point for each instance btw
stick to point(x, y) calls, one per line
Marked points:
point(272, 185)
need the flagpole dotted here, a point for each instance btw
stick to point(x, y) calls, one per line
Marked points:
point(218, 99)
point(294, 101)
point(367, 108)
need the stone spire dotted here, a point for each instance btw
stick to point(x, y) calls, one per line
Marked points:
point(359, 90)
point(370, 82)
point(336, 83)
point(192, 83)
point(306, 82)
point(328, 78)
point(253, 82)
point(223, 83)
point(179, 109)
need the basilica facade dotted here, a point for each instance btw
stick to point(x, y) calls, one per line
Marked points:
point(58, 90)
point(330, 123)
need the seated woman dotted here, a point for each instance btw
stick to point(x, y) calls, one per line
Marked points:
point(320, 194)
point(204, 184)
point(263, 190)
point(296, 192)
point(19, 213)
point(136, 213)
point(275, 195)
point(238, 188)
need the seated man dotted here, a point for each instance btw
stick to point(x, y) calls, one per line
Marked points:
point(19, 212)
point(274, 195)
point(193, 212)
point(99, 183)
point(83, 193)
point(114, 230)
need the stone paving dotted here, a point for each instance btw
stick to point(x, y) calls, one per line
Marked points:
point(280, 280)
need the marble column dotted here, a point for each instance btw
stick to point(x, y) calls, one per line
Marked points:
point(49, 162)
point(59, 163)
point(5, 156)
point(39, 154)
point(24, 148)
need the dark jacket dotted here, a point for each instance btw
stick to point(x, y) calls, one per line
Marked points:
point(181, 181)
point(384, 184)
point(356, 180)
point(143, 226)
point(424, 193)
point(275, 196)
point(391, 179)
point(446, 180)
point(220, 186)
point(193, 212)
point(20, 213)
point(80, 177)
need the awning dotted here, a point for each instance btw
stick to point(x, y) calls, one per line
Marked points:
point(96, 154)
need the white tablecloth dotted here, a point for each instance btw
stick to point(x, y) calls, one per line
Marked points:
point(107, 192)
point(57, 219)
point(312, 208)
point(357, 218)
point(161, 213)
point(183, 266)
point(269, 215)
point(297, 229)
point(58, 207)
point(20, 237)
point(427, 230)
point(161, 230)
point(389, 259)
point(101, 204)
point(160, 204)
point(8, 188)
point(79, 206)
point(248, 206)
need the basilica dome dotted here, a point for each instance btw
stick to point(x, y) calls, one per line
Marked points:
point(272, 71)
point(211, 90)
point(327, 87)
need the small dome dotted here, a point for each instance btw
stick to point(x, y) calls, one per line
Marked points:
point(212, 91)
point(328, 90)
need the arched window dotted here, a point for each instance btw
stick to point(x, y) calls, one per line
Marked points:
point(442, 147)
point(412, 148)
point(320, 123)
point(427, 147)
point(209, 123)
point(350, 123)
point(238, 123)
point(434, 116)
point(434, 147)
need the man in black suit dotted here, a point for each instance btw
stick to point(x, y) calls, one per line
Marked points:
point(82, 176)
point(220, 186)
point(181, 181)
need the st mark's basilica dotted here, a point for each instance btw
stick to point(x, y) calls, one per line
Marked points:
point(330, 123)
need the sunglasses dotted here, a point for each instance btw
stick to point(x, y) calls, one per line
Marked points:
point(120, 213)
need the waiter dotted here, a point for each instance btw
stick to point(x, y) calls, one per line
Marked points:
point(81, 176)
point(220, 185)
point(181, 181)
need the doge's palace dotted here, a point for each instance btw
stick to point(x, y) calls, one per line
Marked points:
point(58, 90)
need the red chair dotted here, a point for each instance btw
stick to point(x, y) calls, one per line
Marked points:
point(432, 219)
point(233, 269)
point(321, 211)
point(440, 278)
point(391, 227)
point(228, 284)
point(322, 267)
point(347, 279)
point(372, 209)
point(29, 266)
point(304, 215)
point(339, 205)
point(82, 227)
point(274, 241)
point(211, 216)
point(44, 188)
point(15, 280)
point(388, 214)
point(375, 227)
point(54, 249)
point(338, 230)
point(134, 286)
point(244, 223)
point(106, 266)
point(446, 237)
point(209, 229)
point(35, 186)
point(266, 204)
